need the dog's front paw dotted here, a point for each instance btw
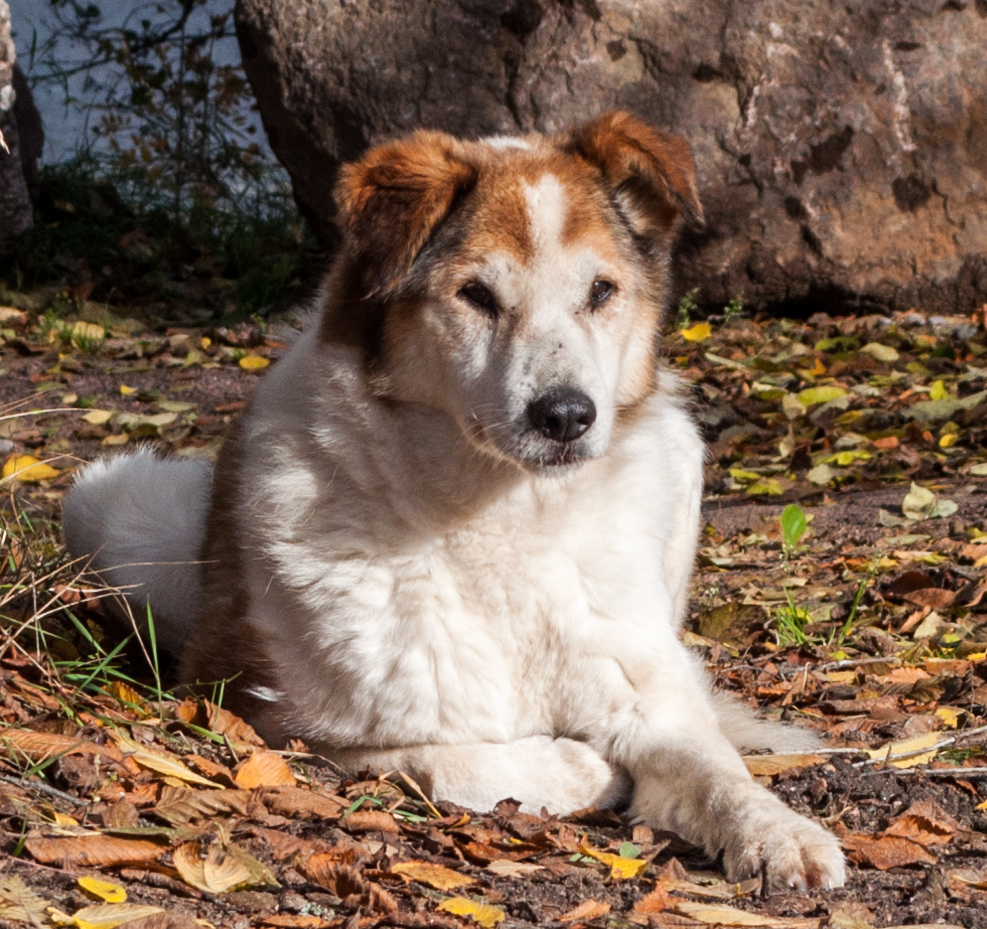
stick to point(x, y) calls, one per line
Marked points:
point(790, 851)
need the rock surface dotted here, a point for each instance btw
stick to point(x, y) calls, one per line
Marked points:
point(842, 146)
point(16, 215)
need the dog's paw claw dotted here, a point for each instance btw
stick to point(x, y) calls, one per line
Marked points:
point(791, 853)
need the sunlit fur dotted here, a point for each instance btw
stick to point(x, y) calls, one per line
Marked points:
point(403, 570)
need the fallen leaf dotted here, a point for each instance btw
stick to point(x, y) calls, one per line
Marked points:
point(218, 869)
point(881, 352)
point(655, 902)
point(160, 762)
point(40, 746)
point(264, 769)
point(254, 362)
point(769, 765)
point(27, 469)
point(435, 875)
point(813, 396)
point(907, 747)
point(921, 503)
point(104, 890)
point(698, 333)
point(620, 868)
point(720, 915)
point(181, 805)
point(884, 852)
point(485, 915)
point(110, 915)
point(93, 851)
point(925, 824)
point(504, 867)
point(19, 903)
point(299, 802)
point(98, 417)
point(588, 909)
point(371, 821)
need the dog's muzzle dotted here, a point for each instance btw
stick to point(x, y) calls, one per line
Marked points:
point(562, 414)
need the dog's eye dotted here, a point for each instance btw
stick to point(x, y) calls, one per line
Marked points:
point(600, 292)
point(480, 297)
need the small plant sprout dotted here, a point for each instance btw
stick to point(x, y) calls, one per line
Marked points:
point(734, 308)
point(687, 307)
point(793, 526)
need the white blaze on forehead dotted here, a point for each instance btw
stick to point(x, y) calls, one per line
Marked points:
point(501, 142)
point(547, 208)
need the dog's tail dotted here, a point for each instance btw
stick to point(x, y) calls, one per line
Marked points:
point(749, 732)
point(139, 521)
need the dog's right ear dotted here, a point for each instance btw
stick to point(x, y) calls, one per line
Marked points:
point(392, 199)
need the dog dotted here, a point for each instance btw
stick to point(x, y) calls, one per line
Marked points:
point(453, 533)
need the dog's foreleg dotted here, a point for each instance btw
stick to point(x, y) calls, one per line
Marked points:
point(557, 775)
point(689, 779)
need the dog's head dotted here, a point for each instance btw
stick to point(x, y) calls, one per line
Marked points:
point(518, 285)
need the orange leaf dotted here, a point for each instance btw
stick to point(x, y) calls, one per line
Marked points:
point(588, 909)
point(93, 851)
point(925, 824)
point(768, 765)
point(39, 746)
point(371, 821)
point(435, 875)
point(884, 852)
point(264, 769)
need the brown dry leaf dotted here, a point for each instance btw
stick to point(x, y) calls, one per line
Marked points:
point(299, 802)
point(228, 724)
point(655, 902)
point(935, 597)
point(484, 914)
point(924, 823)
point(370, 821)
point(215, 869)
point(165, 921)
point(884, 852)
point(40, 746)
point(181, 805)
point(719, 915)
point(161, 762)
point(435, 875)
point(295, 921)
point(264, 769)
point(332, 871)
point(588, 909)
point(19, 903)
point(724, 890)
point(504, 867)
point(968, 877)
point(93, 851)
point(769, 765)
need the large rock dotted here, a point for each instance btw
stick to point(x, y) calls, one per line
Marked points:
point(842, 146)
point(16, 215)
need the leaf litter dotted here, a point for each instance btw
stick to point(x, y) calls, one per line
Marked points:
point(841, 583)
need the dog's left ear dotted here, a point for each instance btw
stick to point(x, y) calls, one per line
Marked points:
point(649, 173)
point(392, 199)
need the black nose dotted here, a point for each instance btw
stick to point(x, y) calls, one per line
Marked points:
point(562, 414)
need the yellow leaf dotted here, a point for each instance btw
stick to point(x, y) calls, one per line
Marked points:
point(938, 391)
point(698, 333)
point(487, 916)
point(161, 763)
point(126, 694)
point(122, 439)
point(98, 417)
point(126, 391)
point(111, 893)
point(205, 342)
point(264, 769)
point(87, 334)
point(981, 806)
point(949, 440)
point(949, 715)
point(906, 747)
point(110, 915)
point(812, 396)
point(254, 362)
point(435, 875)
point(27, 469)
point(620, 868)
point(63, 819)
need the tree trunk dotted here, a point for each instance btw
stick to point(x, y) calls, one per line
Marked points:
point(16, 215)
